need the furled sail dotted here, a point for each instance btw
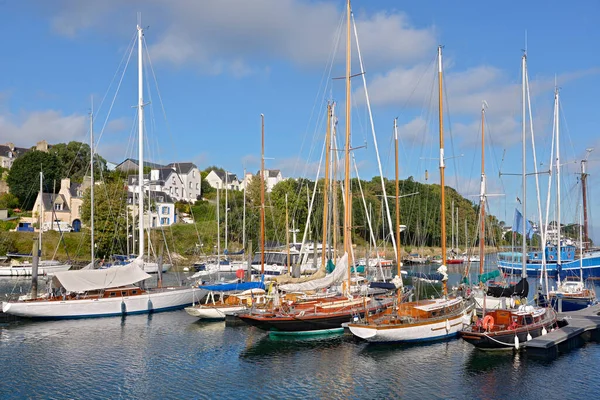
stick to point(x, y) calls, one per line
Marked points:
point(335, 277)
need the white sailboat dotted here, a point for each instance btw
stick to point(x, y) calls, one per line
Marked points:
point(111, 291)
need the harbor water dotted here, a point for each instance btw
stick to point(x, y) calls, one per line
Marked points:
point(172, 355)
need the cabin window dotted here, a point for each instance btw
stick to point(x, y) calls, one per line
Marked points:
point(113, 294)
point(527, 320)
point(123, 293)
point(134, 292)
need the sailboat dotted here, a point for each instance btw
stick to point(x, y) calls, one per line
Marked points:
point(111, 291)
point(507, 328)
point(45, 267)
point(428, 319)
point(321, 314)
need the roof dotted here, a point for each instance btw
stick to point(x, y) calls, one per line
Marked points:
point(133, 179)
point(50, 198)
point(164, 173)
point(5, 150)
point(182, 168)
point(136, 162)
point(271, 173)
point(74, 189)
point(221, 175)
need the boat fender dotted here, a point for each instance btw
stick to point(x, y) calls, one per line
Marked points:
point(529, 336)
point(544, 331)
point(447, 326)
point(516, 342)
point(150, 306)
point(488, 322)
point(123, 308)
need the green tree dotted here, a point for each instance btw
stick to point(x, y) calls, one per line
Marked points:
point(110, 204)
point(23, 178)
point(75, 160)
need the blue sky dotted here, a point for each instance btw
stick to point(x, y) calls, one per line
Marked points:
point(220, 64)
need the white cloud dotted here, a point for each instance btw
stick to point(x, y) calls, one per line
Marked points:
point(240, 37)
point(50, 125)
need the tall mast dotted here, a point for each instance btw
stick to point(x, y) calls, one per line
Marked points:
point(287, 235)
point(92, 182)
point(442, 167)
point(524, 181)
point(482, 195)
point(140, 143)
point(218, 229)
point(226, 207)
point(262, 196)
point(326, 185)
point(244, 214)
point(556, 110)
point(334, 192)
point(41, 218)
point(584, 195)
point(398, 261)
point(347, 149)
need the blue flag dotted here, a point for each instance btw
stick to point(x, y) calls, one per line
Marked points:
point(518, 225)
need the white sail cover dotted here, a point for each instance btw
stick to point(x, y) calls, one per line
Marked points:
point(95, 279)
point(336, 276)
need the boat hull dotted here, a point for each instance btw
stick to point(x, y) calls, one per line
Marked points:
point(25, 270)
point(155, 300)
point(213, 313)
point(569, 303)
point(417, 332)
point(502, 341)
point(152, 267)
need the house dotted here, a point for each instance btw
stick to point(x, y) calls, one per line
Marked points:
point(8, 153)
point(220, 180)
point(272, 177)
point(162, 210)
point(63, 207)
point(131, 164)
point(181, 181)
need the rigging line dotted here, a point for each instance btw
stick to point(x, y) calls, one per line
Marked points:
point(131, 44)
point(323, 85)
point(114, 97)
point(362, 70)
point(368, 218)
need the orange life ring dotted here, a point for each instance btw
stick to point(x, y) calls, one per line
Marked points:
point(488, 322)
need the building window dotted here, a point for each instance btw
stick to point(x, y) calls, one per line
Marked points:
point(190, 185)
point(197, 186)
point(176, 191)
point(165, 210)
point(57, 206)
point(164, 221)
point(79, 210)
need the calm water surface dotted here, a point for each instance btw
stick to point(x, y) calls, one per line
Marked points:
point(172, 355)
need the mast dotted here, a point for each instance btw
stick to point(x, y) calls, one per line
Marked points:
point(347, 149)
point(244, 214)
point(334, 191)
point(584, 195)
point(262, 197)
point(452, 246)
point(218, 231)
point(41, 218)
point(226, 209)
point(140, 143)
point(398, 261)
point(556, 110)
point(482, 195)
point(524, 181)
point(442, 167)
point(287, 235)
point(325, 186)
point(92, 183)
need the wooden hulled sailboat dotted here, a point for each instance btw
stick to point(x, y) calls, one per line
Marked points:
point(421, 320)
point(507, 328)
point(323, 314)
point(111, 291)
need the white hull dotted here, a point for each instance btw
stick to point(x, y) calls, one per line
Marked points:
point(155, 300)
point(208, 312)
point(44, 268)
point(436, 329)
point(152, 267)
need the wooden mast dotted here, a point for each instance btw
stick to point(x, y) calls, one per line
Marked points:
point(334, 191)
point(262, 196)
point(347, 149)
point(584, 176)
point(482, 196)
point(398, 261)
point(442, 167)
point(326, 185)
point(287, 235)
